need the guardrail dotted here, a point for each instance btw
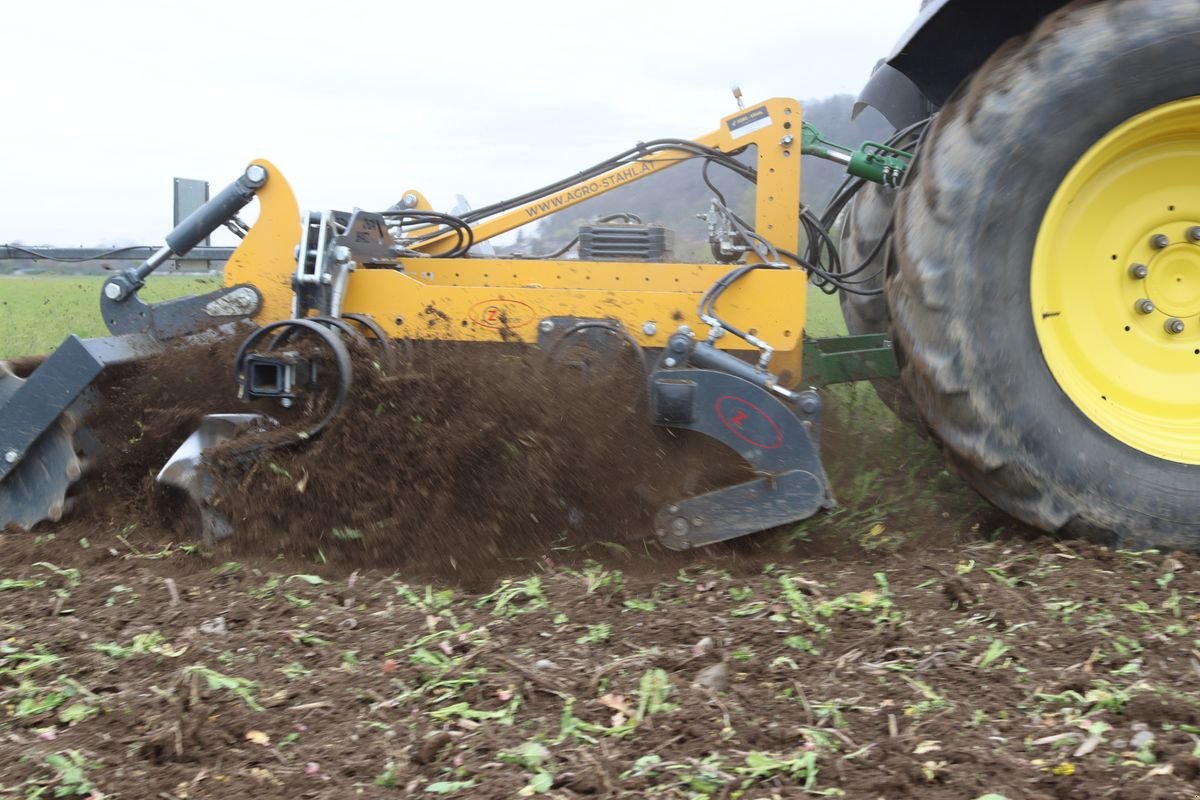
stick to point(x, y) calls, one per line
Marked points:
point(77, 254)
point(189, 195)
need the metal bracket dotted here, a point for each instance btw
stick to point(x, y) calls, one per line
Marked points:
point(842, 359)
point(182, 316)
point(313, 256)
point(779, 442)
point(334, 245)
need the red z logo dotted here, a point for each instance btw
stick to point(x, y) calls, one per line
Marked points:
point(499, 313)
point(748, 422)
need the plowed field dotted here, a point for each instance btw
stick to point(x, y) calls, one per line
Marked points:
point(497, 628)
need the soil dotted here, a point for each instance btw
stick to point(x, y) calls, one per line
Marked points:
point(463, 604)
point(459, 462)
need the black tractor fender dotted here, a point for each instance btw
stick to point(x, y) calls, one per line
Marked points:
point(948, 41)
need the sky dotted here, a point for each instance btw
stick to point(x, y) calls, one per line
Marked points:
point(355, 101)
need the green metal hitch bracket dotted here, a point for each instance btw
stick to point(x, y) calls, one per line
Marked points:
point(842, 359)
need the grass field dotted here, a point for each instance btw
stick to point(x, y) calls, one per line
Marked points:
point(37, 312)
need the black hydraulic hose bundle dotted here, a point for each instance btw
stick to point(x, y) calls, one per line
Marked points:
point(820, 259)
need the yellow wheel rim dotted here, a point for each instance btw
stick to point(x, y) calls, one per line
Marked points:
point(1115, 283)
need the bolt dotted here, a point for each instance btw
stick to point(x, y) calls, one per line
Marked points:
point(112, 291)
point(672, 509)
point(787, 140)
point(409, 200)
point(286, 402)
point(669, 362)
point(810, 404)
point(11, 456)
point(697, 522)
point(1173, 325)
point(256, 175)
point(649, 328)
point(1159, 241)
point(1144, 306)
point(341, 253)
point(679, 525)
point(1194, 233)
point(1138, 271)
point(546, 325)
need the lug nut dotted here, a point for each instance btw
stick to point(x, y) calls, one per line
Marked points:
point(1173, 325)
point(1144, 306)
point(1138, 271)
point(11, 456)
point(1159, 240)
point(1194, 233)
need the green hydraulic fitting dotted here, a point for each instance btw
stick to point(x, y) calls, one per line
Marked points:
point(873, 161)
point(880, 163)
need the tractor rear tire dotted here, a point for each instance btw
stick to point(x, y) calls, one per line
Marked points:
point(1013, 297)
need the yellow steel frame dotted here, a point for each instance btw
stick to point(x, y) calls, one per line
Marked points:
point(494, 299)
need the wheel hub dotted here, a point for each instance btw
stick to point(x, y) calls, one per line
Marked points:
point(1172, 282)
point(1115, 283)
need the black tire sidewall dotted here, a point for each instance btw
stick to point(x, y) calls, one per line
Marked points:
point(868, 218)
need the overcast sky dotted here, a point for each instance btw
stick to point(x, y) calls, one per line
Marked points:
point(357, 101)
